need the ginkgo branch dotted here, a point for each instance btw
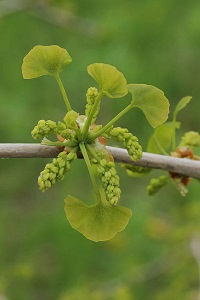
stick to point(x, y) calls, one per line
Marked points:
point(186, 167)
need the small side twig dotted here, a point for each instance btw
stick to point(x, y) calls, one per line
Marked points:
point(185, 167)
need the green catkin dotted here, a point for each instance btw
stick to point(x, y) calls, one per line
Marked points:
point(56, 170)
point(106, 134)
point(91, 96)
point(129, 141)
point(156, 184)
point(191, 138)
point(43, 128)
point(110, 180)
point(136, 171)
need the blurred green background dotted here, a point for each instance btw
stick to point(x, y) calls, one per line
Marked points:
point(41, 256)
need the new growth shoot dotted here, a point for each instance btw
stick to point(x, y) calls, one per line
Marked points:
point(81, 133)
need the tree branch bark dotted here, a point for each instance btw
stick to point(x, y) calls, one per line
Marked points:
point(186, 167)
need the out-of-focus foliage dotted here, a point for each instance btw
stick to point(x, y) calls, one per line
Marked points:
point(41, 257)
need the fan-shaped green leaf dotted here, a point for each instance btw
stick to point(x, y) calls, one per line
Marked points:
point(161, 139)
point(97, 222)
point(151, 101)
point(112, 82)
point(44, 60)
point(181, 104)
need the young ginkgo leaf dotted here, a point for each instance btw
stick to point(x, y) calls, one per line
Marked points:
point(98, 222)
point(181, 104)
point(151, 101)
point(161, 139)
point(111, 82)
point(44, 60)
point(70, 119)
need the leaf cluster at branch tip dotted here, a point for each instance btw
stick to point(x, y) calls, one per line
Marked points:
point(79, 134)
